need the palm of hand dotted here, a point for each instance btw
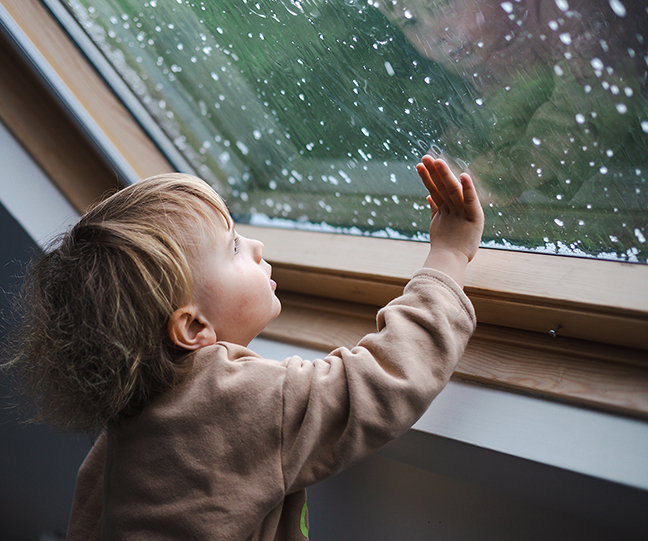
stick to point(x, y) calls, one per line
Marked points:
point(457, 217)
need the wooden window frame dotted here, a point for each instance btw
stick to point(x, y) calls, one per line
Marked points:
point(572, 329)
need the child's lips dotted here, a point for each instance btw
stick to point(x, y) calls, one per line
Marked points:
point(273, 284)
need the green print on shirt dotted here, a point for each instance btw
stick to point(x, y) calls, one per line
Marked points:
point(302, 520)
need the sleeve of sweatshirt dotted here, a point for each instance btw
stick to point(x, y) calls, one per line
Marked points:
point(339, 409)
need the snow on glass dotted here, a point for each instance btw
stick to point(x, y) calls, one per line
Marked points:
point(314, 114)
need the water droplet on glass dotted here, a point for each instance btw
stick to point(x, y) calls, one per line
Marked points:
point(562, 5)
point(365, 131)
point(565, 38)
point(580, 118)
point(390, 69)
point(597, 64)
point(479, 102)
point(558, 70)
point(644, 126)
point(622, 108)
point(507, 6)
point(558, 222)
point(536, 141)
point(603, 170)
point(244, 149)
point(618, 8)
point(346, 177)
point(640, 236)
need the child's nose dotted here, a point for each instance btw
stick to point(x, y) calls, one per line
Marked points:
point(257, 249)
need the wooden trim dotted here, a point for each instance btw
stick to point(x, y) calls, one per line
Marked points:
point(49, 135)
point(575, 371)
point(83, 81)
point(590, 299)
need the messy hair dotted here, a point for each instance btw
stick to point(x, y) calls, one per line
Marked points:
point(92, 344)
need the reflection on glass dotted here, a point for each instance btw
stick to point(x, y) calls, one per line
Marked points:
point(314, 113)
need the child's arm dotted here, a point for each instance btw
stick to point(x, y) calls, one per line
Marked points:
point(457, 218)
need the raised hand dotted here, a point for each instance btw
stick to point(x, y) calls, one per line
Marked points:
point(457, 217)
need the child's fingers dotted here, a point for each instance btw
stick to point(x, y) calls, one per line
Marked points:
point(424, 173)
point(472, 205)
point(452, 188)
point(435, 178)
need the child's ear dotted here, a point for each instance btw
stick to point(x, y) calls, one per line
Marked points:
point(188, 330)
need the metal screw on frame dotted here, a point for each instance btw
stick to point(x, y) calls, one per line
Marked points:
point(554, 332)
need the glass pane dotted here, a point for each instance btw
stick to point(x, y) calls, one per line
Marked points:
point(314, 113)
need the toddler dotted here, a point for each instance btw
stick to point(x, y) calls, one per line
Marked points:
point(138, 322)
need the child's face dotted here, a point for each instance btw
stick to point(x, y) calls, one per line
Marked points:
point(233, 290)
point(447, 31)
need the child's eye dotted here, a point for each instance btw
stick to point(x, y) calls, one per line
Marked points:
point(237, 243)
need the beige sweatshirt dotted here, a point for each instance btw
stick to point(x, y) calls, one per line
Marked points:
point(227, 455)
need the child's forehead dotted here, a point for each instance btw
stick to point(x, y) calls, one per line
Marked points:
point(212, 220)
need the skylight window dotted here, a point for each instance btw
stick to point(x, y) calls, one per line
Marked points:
point(313, 114)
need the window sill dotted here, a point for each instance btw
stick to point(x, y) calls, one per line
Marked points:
point(587, 299)
point(586, 373)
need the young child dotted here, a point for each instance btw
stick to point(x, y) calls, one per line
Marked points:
point(138, 324)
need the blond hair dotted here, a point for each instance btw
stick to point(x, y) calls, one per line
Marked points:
point(93, 345)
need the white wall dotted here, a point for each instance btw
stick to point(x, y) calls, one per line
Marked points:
point(27, 193)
